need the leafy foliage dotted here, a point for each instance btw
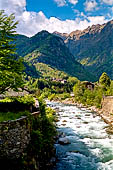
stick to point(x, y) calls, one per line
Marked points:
point(93, 97)
point(31, 70)
point(10, 67)
point(43, 131)
point(105, 80)
point(26, 99)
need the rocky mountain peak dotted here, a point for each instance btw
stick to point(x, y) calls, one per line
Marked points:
point(93, 47)
point(61, 35)
point(75, 35)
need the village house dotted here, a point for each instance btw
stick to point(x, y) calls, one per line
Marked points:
point(89, 85)
point(63, 81)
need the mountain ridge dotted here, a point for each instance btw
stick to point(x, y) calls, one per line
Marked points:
point(93, 47)
point(49, 49)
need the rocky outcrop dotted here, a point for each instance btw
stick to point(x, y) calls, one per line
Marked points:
point(76, 35)
point(93, 47)
point(107, 109)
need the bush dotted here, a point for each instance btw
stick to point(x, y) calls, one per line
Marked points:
point(88, 97)
point(51, 97)
point(26, 99)
point(43, 131)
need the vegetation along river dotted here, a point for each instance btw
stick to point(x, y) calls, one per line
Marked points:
point(90, 148)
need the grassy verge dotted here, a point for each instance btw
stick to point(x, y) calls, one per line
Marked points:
point(5, 116)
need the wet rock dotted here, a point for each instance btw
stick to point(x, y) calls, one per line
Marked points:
point(78, 117)
point(78, 126)
point(63, 124)
point(71, 122)
point(87, 114)
point(61, 134)
point(53, 160)
point(57, 120)
point(75, 151)
point(85, 122)
point(63, 141)
point(64, 121)
point(71, 117)
point(109, 130)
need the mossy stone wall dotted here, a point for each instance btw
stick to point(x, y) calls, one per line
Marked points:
point(15, 137)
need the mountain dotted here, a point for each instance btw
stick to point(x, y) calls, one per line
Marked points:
point(93, 48)
point(61, 35)
point(51, 50)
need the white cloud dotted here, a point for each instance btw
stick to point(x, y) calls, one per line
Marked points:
point(32, 22)
point(90, 5)
point(74, 2)
point(97, 20)
point(79, 14)
point(35, 22)
point(60, 3)
point(13, 6)
point(109, 2)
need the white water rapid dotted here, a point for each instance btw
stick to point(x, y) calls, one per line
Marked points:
point(90, 148)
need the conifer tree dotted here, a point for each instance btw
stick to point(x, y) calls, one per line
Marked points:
point(104, 80)
point(11, 66)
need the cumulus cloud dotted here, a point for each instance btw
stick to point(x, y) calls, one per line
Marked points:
point(32, 22)
point(13, 6)
point(109, 2)
point(74, 2)
point(90, 5)
point(35, 22)
point(79, 14)
point(60, 3)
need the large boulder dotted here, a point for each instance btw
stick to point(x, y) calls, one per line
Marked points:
point(63, 141)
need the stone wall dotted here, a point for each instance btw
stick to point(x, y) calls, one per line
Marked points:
point(107, 109)
point(15, 137)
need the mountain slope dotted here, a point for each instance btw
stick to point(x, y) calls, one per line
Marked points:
point(50, 49)
point(93, 47)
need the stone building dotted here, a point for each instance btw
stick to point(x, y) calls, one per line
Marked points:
point(89, 85)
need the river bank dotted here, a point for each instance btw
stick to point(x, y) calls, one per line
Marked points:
point(107, 117)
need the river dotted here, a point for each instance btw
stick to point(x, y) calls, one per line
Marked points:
point(90, 148)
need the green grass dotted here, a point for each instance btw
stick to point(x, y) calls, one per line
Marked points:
point(5, 116)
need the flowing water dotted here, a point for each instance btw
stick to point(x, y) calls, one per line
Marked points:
point(90, 148)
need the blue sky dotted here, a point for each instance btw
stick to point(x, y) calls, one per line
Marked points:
point(57, 15)
point(69, 10)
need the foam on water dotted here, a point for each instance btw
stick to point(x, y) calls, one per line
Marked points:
point(91, 147)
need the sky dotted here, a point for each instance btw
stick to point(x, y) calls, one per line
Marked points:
point(63, 16)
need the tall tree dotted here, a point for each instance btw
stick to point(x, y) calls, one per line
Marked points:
point(11, 66)
point(104, 80)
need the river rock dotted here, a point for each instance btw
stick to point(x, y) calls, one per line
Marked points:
point(57, 120)
point(53, 160)
point(63, 124)
point(64, 121)
point(87, 114)
point(63, 141)
point(61, 134)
